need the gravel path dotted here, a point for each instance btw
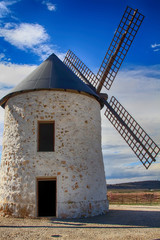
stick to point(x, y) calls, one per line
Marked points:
point(122, 222)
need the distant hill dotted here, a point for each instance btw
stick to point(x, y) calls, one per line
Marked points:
point(145, 185)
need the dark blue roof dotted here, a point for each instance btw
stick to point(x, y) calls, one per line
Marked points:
point(52, 74)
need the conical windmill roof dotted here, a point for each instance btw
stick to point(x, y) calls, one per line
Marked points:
point(52, 74)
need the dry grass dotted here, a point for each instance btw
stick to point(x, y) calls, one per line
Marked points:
point(134, 197)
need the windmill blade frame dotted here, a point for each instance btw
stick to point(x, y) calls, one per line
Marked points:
point(119, 47)
point(134, 135)
point(80, 69)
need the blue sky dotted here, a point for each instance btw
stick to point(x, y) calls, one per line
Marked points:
point(86, 27)
point(30, 30)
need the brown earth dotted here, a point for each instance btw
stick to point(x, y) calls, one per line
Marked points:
point(121, 222)
point(134, 197)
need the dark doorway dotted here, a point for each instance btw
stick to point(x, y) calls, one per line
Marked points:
point(46, 198)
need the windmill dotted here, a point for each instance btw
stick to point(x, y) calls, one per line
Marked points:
point(134, 135)
point(52, 162)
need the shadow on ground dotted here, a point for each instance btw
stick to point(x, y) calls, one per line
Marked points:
point(113, 219)
point(149, 219)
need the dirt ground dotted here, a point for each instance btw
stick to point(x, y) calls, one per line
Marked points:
point(121, 222)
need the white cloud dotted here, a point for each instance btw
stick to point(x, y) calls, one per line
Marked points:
point(156, 50)
point(12, 74)
point(44, 50)
point(28, 37)
point(50, 6)
point(133, 173)
point(32, 37)
point(4, 59)
point(2, 56)
point(4, 10)
point(138, 90)
point(60, 55)
point(156, 47)
point(24, 35)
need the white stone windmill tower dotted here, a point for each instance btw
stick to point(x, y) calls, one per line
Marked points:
point(52, 159)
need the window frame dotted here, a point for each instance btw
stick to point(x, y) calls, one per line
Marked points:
point(38, 136)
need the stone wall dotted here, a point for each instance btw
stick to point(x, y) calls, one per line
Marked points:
point(76, 162)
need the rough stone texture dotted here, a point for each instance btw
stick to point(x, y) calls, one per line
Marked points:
point(76, 163)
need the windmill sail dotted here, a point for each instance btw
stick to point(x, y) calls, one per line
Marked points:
point(138, 140)
point(80, 69)
point(119, 47)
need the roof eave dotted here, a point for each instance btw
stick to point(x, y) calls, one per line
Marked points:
point(12, 94)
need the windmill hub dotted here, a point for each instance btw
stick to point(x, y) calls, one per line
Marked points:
point(104, 96)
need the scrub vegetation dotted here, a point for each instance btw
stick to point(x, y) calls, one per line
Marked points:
point(144, 193)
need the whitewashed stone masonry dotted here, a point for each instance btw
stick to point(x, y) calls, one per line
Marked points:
point(76, 163)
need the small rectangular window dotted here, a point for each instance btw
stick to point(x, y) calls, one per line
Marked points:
point(46, 136)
